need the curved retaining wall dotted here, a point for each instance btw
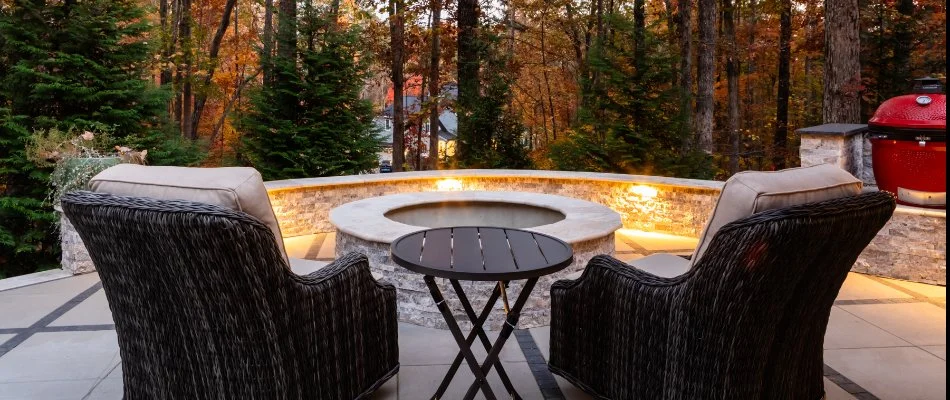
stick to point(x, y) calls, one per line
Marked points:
point(912, 246)
point(649, 203)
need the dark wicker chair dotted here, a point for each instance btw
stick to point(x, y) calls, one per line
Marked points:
point(746, 322)
point(205, 307)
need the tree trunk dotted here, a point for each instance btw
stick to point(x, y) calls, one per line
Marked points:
point(544, 72)
point(287, 30)
point(749, 99)
point(670, 14)
point(434, 126)
point(468, 77)
point(397, 27)
point(580, 52)
point(781, 99)
point(544, 113)
point(268, 42)
point(165, 77)
point(202, 96)
point(639, 30)
point(419, 122)
point(235, 97)
point(732, 83)
point(706, 73)
point(812, 104)
point(903, 37)
point(599, 13)
point(685, 26)
point(334, 12)
point(186, 40)
point(638, 51)
point(842, 101)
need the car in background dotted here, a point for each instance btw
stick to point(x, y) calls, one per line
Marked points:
point(385, 166)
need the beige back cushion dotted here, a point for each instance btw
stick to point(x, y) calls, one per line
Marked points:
point(750, 192)
point(240, 189)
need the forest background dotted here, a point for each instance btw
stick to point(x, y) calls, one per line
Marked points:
point(689, 88)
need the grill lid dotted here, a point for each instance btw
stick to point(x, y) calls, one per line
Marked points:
point(925, 110)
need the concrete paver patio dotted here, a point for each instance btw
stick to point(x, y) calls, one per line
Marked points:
point(886, 339)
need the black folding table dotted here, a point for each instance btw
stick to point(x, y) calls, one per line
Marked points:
point(481, 254)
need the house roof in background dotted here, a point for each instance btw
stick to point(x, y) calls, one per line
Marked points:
point(448, 126)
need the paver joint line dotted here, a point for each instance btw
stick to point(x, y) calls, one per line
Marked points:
point(537, 365)
point(44, 322)
point(935, 301)
point(844, 383)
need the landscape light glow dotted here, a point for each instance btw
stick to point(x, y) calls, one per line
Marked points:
point(449, 185)
point(645, 192)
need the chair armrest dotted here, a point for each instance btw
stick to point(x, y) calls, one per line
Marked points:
point(346, 323)
point(613, 318)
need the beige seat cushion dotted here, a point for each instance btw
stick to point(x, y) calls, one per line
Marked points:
point(661, 264)
point(750, 192)
point(240, 189)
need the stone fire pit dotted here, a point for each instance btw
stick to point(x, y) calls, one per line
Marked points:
point(370, 225)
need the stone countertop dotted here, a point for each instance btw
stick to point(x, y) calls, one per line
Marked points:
point(834, 129)
point(924, 212)
point(292, 184)
point(583, 220)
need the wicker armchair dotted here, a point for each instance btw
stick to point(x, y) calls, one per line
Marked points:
point(746, 322)
point(206, 307)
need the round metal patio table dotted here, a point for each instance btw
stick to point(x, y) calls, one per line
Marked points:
point(481, 254)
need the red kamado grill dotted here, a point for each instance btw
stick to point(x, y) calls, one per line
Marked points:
point(909, 145)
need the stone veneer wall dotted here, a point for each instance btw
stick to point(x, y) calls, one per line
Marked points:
point(680, 206)
point(911, 246)
point(75, 257)
point(838, 144)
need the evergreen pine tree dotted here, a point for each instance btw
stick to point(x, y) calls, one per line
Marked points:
point(68, 64)
point(310, 121)
point(632, 122)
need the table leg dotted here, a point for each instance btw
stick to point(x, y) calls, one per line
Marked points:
point(477, 328)
point(476, 321)
point(504, 296)
point(466, 350)
point(510, 322)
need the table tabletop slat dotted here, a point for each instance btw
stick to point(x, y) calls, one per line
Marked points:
point(525, 249)
point(466, 250)
point(410, 247)
point(498, 256)
point(552, 249)
point(437, 249)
